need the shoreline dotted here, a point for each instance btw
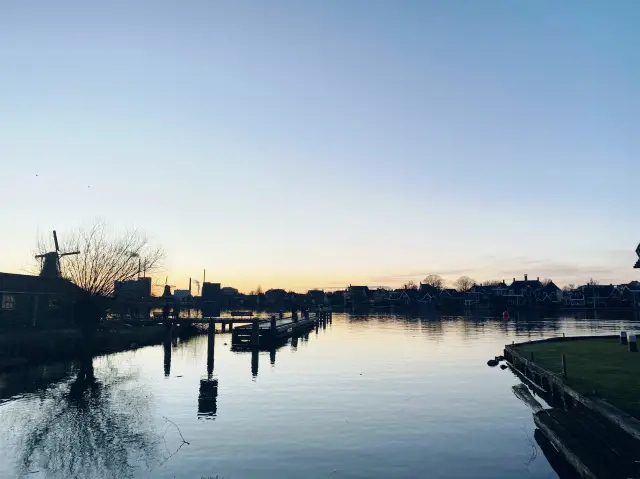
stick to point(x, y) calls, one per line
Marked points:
point(30, 348)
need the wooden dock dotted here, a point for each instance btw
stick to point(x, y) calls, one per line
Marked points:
point(597, 440)
point(264, 333)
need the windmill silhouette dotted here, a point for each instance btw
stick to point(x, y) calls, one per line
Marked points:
point(637, 265)
point(50, 262)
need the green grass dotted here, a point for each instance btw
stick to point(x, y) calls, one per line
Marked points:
point(601, 365)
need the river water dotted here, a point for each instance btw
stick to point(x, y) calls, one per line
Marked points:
point(370, 396)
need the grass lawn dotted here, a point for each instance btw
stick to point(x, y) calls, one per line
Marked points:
point(600, 364)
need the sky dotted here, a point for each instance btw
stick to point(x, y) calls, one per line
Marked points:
point(326, 143)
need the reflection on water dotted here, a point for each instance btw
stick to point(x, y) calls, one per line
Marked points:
point(207, 398)
point(84, 427)
point(367, 396)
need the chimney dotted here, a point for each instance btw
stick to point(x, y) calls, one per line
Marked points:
point(525, 278)
point(514, 280)
point(538, 278)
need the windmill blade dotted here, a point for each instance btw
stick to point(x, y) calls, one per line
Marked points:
point(69, 254)
point(638, 250)
point(39, 256)
point(55, 240)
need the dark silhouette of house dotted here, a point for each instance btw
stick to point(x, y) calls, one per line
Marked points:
point(36, 301)
point(358, 295)
point(524, 292)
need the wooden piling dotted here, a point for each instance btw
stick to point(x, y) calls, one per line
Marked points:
point(564, 366)
point(254, 362)
point(623, 338)
point(167, 357)
point(211, 338)
point(274, 330)
point(633, 345)
point(224, 327)
point(255, 333)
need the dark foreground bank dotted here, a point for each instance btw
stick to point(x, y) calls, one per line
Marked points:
point(22, 348)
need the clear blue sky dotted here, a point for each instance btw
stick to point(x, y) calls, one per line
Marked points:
point(318, 143)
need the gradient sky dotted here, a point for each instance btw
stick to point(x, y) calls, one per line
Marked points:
point(320, 143)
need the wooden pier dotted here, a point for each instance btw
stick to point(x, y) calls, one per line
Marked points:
point(254, 333)
point(275, 329)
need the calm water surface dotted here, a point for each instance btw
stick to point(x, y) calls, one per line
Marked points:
point(376, 396)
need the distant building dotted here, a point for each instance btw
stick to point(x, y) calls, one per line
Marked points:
point(133, 290)
point(181, 294)
point(28, 301)
point(357, 295)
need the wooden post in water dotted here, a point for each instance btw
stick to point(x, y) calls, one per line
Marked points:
point(633, 345)
point(224, 327)
point(272, 356)
point(623, 337)
point(564, 366)
point(167, 357)
point(254, 362)
point(211, 341)
point(255, 333)
point(230, 327)
point(274, 330)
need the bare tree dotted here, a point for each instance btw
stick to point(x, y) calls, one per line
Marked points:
point(569, 287)
point(464, 283)
point(546, 282)
point(592, 282)
point(105, 256)
point(434, 280)
point(410, 285)
point(259, 290)
point(492, 282)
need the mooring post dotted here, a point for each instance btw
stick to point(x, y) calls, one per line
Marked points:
point(230, 327)
point(623, 337)
point(211, 339)
point(255, 333)
point(254, 362)
point(633, 345)
point(224, 327)
point(273, 326)
point(272, 356)
point(564, 366)
point(167, 357)
point(211, 334)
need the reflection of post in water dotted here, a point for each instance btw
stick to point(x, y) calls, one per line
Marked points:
point(167, 357)
point(211, 341)
point(254, 362)
point(324, 324)
point(272, 356)
point(294, 342)
point(207, 398)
